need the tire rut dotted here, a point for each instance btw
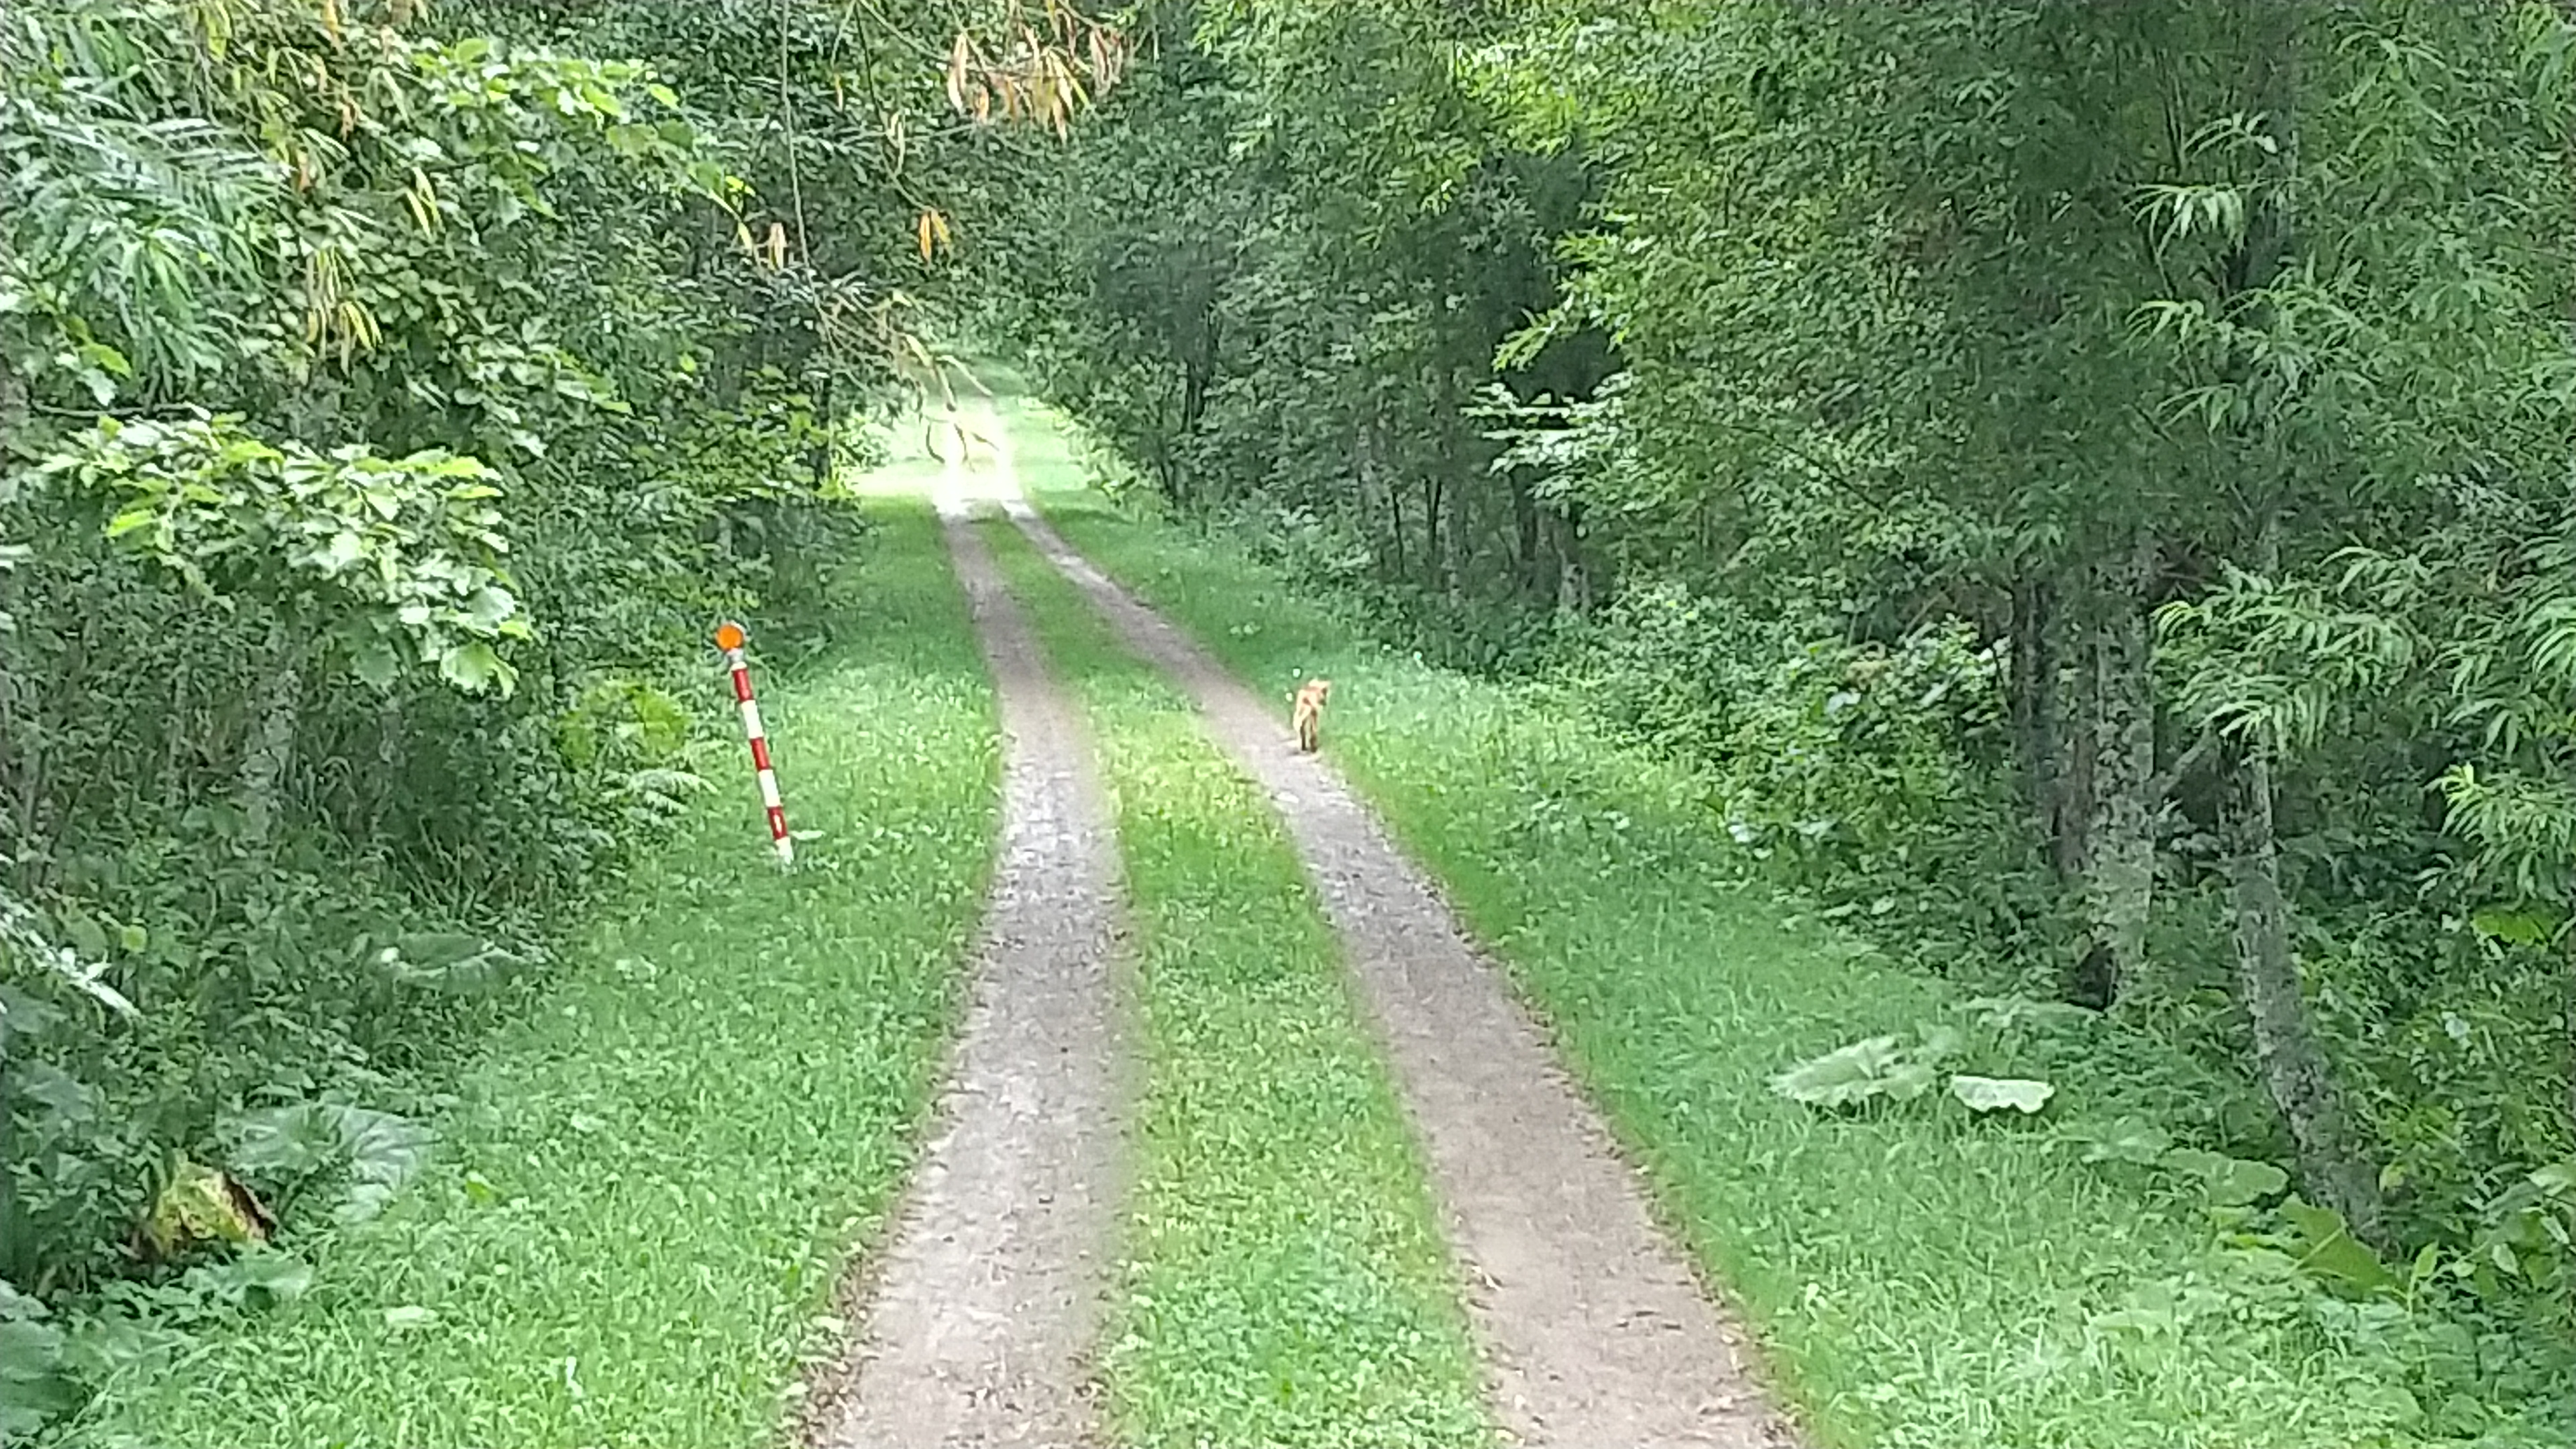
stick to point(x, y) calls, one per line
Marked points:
point(982, 1308)
point(1594, 1327)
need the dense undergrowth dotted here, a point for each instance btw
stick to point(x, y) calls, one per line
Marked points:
point(1284, 1280)
point(642, 1192)
point(2120, 1267)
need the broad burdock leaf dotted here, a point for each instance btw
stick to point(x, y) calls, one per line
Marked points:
point(14, 1304)
point(2229, 1181)
point(1846, 1075)
point(33, 1388)
point(1993, 1094)
point(2006, 1012)
point(2326, 1248)
point(2125, 1139)
point(381, 1151)
point(385, 1153)
point(261, 1273)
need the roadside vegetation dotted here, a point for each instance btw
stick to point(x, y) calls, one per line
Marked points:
point(626, 1221)
point(1838, 1137)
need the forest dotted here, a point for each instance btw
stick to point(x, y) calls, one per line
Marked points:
point(2089, 480)
point(2079, 497)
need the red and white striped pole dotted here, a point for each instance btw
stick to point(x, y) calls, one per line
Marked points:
point(730, 639)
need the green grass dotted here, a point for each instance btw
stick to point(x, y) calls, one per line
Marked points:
point(685, 1140)
point(1920, 1281)
point(1285, 1283)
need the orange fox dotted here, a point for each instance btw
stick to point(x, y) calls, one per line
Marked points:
point(1309, 714)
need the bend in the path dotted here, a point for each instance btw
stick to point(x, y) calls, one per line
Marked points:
point(1594, 1327)
point(986, 1301)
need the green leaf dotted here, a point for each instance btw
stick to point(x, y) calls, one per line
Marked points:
point(2006, 1012)
point(382, 1152)
point(2126, 1139)
point(1941, 1041)
point(85, 935)
point(2326, 1248)
point(1843, 1076)
point(279, 1277)
point(66, 1099)
point(2517, 926)
point(33, 1388)
point(343, 551)
point(377, 664)
point(284, 1144)
point(1993, 1094)
point(1908, 1080)
point(471, 667)
point(385, 1153)
point(2228, 1181)
point(14, 1304)
point(437, 949)
point(106, 359)
point(488, 608)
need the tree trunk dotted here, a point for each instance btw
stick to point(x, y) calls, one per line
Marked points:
point(272, 742)
point(2033, 699)
point(2074, 728)
point(1373, 479)
point(1573, 579)
point(2293, 1062)
point(1459, 536)
point(2120, 837)
point(1525, 535)
point(1434, 556)
point(2567, 1009)
point(15, 1246)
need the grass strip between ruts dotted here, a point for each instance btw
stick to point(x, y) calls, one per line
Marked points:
point(1920, 1281)
point(641, 1205)
point(1284, 1281)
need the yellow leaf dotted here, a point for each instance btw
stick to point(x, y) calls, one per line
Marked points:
point(331, 19)
point(960, 55)
point(777, 245)
point(423, 199)
point(921, 229)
